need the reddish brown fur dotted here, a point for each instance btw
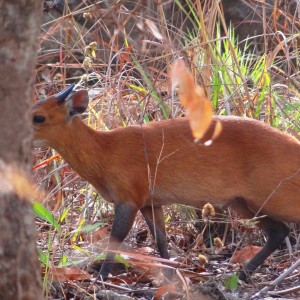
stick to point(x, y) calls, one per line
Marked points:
point(251, 167)
point(240, 163)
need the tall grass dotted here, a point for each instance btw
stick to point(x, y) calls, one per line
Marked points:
point(238, 80)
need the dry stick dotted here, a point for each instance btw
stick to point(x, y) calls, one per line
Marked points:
point(185, 286)
point(278, 279)
point(112, 285)
point(159, 160)
point(166, 262)
point(287, 291)
point(225, 232)
point(264, 26)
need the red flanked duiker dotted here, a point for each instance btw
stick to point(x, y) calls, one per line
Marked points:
point(251, 167)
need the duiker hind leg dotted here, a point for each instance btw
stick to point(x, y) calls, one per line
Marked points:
point(276, 231)
point(155, 220)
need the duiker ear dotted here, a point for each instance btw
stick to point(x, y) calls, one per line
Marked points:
point(78, 102)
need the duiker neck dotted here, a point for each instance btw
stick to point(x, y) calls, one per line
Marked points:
point(83, 148)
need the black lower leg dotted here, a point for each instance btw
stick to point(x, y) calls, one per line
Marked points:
point(276, 232)
point(124, 217)
point(156, 222)
point(157, 228)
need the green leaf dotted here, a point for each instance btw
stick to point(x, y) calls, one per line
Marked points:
point(64, 214)
point(44, 258)
point(118, 258)
point(63, 260)
point(231, 282)
point(99, 257)
point(42, 212)
point(87, 228)
point(122, 260)
point(168, 218)
point(81, 250)
point(74, 263)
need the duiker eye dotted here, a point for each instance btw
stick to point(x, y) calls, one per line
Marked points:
point(38, 119)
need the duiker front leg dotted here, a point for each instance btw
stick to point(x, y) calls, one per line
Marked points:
point(125, 214)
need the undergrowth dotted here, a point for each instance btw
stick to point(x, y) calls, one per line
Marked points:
point(125, 70)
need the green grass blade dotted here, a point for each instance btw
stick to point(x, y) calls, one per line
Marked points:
point(43, 213)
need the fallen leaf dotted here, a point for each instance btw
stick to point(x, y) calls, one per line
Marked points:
point(154, 29)
point(193, 96)
point(70, 273)
point(245, 254)
point(164, 289)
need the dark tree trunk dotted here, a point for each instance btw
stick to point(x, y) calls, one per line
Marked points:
point(19, 266)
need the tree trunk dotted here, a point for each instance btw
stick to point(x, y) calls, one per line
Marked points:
point(19, 266)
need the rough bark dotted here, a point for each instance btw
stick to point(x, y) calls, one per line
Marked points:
point(19, 266)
